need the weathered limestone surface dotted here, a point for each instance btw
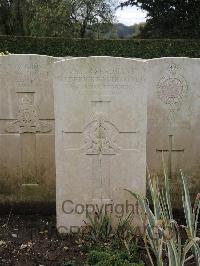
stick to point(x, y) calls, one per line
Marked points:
point(102, 109)
point(100, 113)
point(27, 167)
point(174, 120)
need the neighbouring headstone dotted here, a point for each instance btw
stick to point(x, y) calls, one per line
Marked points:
point(174, 120)
point(100, 112)
point(27, 167)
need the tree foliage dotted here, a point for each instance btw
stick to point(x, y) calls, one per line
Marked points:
point(14, 17)
point(87, 13)
point(169, 18)
point(66, 18)
point(51, 18)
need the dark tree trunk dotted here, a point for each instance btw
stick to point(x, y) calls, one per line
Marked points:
point(83, 30)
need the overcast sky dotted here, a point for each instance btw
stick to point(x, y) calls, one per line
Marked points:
point(130, 15)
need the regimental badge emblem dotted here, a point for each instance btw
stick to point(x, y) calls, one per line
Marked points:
point(27, 119)
point(100, 137)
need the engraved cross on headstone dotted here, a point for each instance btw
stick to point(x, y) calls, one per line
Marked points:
point(101, 103)
point(99, 140)
point(28, 124)
point(170, 150)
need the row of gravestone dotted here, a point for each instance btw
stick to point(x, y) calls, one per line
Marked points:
point(111, 117)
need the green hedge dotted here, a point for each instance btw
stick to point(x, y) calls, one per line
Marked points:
point(86, 47)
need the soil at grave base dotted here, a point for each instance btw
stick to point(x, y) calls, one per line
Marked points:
point(28, 240)
point(33, 240)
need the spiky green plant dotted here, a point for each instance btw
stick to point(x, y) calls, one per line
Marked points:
point(100, 226)
point(126, 232)
point(151, 220)
point(160, 221)
point(191, 215)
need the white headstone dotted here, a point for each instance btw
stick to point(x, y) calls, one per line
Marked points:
point(173, 119)
point(27, 166)
point(100, 112)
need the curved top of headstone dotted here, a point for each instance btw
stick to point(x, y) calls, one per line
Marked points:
point(171, 59)
point(26, 74)
point(94, 64)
